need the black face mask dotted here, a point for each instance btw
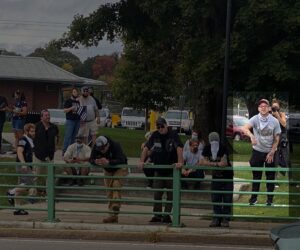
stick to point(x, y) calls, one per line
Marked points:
point(274, 109)
point(195, 150)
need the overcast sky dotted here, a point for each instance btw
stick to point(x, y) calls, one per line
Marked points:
point(28, 24)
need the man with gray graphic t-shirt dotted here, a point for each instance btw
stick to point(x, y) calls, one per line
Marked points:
point(88, 125)
point(264, 140)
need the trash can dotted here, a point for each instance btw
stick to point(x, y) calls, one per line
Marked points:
point(286, 237)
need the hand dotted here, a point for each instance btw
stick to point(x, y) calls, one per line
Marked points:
point(178, 165)
point(222, 164)
point(270, 157)
point(141, 165)
point(253, 140)
point(102, 161)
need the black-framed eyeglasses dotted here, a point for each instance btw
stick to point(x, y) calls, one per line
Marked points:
point(160, 126)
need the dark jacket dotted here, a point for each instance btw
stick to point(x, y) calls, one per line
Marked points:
point(114, 154)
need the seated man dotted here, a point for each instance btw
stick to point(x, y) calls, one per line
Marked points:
point(77, 152)
point(24, 154)
point(192, 157)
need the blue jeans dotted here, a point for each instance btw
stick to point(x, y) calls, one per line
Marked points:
point(71, 130)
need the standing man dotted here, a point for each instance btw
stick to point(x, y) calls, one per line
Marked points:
point(24, 154)
point(107, 153)
point(215, 154)
point(166, 149)
point(91, 91)
point(88, 124)
point(46, 138)
point(264, 140)
point(3, 109)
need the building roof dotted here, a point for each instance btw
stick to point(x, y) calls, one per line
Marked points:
point(38, 69)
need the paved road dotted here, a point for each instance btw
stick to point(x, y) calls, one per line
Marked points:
point(34, 244)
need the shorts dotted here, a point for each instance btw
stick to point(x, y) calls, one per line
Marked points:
point(87, 128)
point(18, 124)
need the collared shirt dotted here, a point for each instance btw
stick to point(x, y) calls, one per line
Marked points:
point(44, 141)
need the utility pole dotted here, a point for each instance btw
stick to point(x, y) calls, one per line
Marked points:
point(226, 72)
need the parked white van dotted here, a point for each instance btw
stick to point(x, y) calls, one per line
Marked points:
point(173, 118)
point(132, 118)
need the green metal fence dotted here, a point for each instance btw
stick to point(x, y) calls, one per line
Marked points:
point(241, 208)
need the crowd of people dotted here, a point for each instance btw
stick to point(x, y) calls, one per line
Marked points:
point(38, 142)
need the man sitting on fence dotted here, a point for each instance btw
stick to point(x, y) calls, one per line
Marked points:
point(191, 157)
point(77, 152)
point(24, 154)
point(108, 153)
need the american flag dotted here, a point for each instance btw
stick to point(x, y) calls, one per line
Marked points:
point(81, 111)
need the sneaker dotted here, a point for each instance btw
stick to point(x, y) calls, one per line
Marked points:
point(111, 219)
point(216, 222)
point(269, 202)
point(276, 186)
point(156, 219)
point(167, 219)
point(252, 201)
point(225, 223)
point(10, 198)
point(116, 209)
point(20, 212)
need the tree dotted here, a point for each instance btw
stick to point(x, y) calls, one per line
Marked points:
point(55, 55)
point(189, 36)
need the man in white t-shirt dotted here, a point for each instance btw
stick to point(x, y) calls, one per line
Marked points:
point(77, 152)
point(264, 140)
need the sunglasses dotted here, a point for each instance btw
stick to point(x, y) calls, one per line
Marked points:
point(160, 126)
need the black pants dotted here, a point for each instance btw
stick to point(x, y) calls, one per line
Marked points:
point(1, 130)
point(159, 194)
point(258, 159)
point(221, 197)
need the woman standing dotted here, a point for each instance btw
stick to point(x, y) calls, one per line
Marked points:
point(72, 119)
point(19, 111)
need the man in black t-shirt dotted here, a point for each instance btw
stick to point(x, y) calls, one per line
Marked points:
point(3, 109)
point(166, 149)
point(215, 154)
point(46, 138)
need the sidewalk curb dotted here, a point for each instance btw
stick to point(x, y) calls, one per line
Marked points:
point(148, 233)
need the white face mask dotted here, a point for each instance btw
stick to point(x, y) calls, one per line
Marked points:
point(214, 145)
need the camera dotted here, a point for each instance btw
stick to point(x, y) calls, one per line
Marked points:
point(283, 142)
point(274, 109)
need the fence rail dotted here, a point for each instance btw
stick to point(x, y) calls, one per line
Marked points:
point(290, 196)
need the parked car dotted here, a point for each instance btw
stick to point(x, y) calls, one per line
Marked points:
point(105, 118)
point(57, 116)
point(234, 127)
point(132, 118)
point(180, 120)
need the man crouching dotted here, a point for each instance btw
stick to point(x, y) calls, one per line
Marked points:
point(107, 153)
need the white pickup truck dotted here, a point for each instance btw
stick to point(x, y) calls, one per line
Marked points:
point(173, 118)
point(132, 118)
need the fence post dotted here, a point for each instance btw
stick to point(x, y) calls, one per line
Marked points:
point(176, 197)
point(50, 193)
